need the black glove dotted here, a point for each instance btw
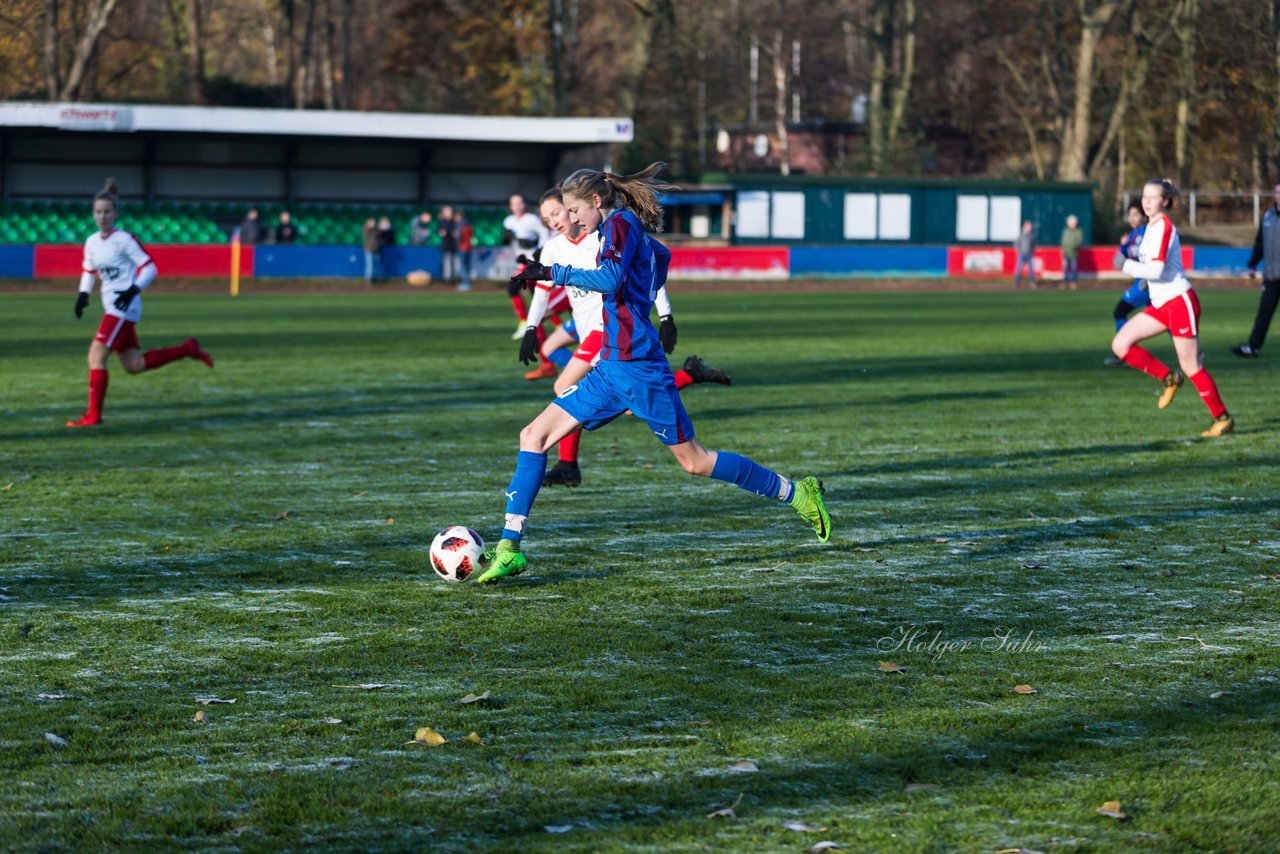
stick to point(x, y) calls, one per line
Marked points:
point(529, 346)
point(533, 272)
point(667, 333)
point(125, 297)
point(82, 302)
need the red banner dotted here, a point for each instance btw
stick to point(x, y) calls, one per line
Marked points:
point(972, 262)
point(764, 262)
point(189, 260)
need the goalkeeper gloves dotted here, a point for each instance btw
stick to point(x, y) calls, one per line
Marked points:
point(82, 301)
point(667, 333)
point(529, 346)
point(125, 297)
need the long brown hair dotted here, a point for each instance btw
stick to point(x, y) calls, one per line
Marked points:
point(637, 192)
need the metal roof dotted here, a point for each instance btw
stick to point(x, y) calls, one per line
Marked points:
point(135, 118)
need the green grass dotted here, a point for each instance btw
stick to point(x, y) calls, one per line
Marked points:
point(988, 477)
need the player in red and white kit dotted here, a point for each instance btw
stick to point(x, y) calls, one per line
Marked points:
point(1174, 307)
point(573, 247)
point(126, 269)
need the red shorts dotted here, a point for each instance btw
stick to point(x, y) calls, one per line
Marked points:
point(1180, 315)
point(589, 348)
point(117, 333)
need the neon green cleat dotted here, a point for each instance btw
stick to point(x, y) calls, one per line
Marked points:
point(809, 504)
point(506, 559)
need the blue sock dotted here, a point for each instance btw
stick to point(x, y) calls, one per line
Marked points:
point(748, 474)
point(524, 486)
point(560, 357)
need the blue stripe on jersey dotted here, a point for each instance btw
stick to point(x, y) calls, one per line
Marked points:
point(632, 266)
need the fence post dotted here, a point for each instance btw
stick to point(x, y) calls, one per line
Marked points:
point(1193, 208)
point(1256, 210)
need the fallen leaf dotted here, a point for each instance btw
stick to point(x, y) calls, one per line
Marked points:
point(7, 487)
point(426, 735)
point(1111, 809)
point(281, 516)
point(1016, 851)
point(941, 540)
point(727, 812)
point(200, 718)
point(890, 667)
point(205, 701)
point(1024, 689)
point(366, 686)
point(474, 738)
point(474, 698)
point(558, 828)
point(342, 563)
point(1216, 694)
point(55, 740)
point(862, 549)
point(701, 723)
point(1030, 565)
point(390, 521)
point(825, 845)
point(801, 827)
point(329, 720)
point(746, 766)
point(922, 787)
point(43, 696)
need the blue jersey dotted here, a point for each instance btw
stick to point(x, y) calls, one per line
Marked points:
point(631, 267)
point(1136, 294)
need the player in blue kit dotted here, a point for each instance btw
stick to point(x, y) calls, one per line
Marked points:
point(1136, 296)
point(632, 373)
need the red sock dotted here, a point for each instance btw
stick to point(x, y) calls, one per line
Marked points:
point(517, 302)
point(569, 447)
point(1208, 392)
point(682, 379)
point(1143, 361)
point(97, 392)
point(164, 355)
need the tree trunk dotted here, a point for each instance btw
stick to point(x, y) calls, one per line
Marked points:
point(878, 41)
point(193, 20)
point(51, 48)
point(1275, 42)
point(326, 58)
point(291, 47)
point(906, 70)
point(1075, 141)
point(99, 15)
point(1185, 27)
point(563, 23)
point(780, 105)
point(303, 76)
point(269, 43)
point(344, 51)
point(635, 66)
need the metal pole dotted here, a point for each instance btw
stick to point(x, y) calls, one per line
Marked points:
point(1193, 208)
point(1257, 211)
point(795, 76)
point(752, 108)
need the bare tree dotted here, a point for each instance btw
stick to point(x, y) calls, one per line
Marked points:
point(1184, 26)
point(97, 16)
point(1076, 138)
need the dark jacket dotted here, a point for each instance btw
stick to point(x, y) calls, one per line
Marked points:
point(1266, 246)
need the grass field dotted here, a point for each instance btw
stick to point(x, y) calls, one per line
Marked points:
point(1007, 512)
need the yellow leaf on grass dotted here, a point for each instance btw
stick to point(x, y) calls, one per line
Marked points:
point(1112, 809)
point(390, 521)
point(474, 698)
point(890, 667)
point(200, 718)
point(426, 735)
point(1024, 689)
point(746, 766)
point(474, 738)
point(825, 845)
point(727, 812)
point(801, 827)
point(281, 516)
point(922, 787)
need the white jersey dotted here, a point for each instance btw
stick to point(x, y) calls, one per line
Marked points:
point(119, 261)
point(1160, 262)
point(587, 306)
point(527, 229)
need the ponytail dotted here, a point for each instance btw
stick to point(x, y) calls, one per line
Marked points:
point(637, 193)
point(1168, 192)
point(109, 192)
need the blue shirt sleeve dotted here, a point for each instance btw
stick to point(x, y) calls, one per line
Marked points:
point(618, 245)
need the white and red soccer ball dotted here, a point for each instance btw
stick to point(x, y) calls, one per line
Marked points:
point(456, 553)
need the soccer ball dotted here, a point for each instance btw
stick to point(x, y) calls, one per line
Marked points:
point(456, 552)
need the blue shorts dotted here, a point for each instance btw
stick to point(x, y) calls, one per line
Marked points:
point(646, 388)
point(1137, 296)
point(570, 327)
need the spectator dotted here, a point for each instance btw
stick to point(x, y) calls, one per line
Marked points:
point(1072, 240)
point(1025, 247)
point(372, 242)
point(448, 231)
point(286, 231)
point(251, 227)
point(1266, 248)
point(420, 231)
point(386, 242)
point(466, 239)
